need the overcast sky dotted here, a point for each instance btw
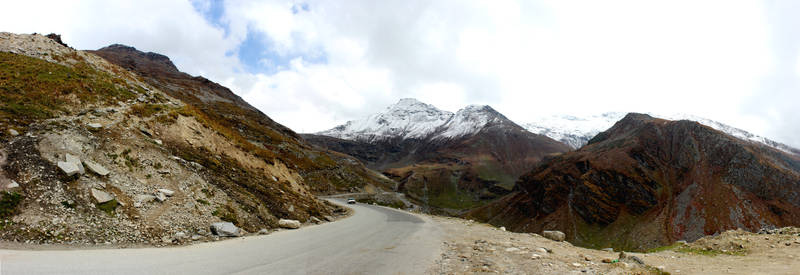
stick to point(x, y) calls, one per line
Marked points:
point(312, 65)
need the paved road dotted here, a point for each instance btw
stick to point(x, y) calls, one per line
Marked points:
point(375, 240)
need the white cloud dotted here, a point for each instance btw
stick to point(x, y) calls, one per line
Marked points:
point(719, 59)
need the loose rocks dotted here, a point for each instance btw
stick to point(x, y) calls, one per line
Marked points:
point(68, 168)
point(554, 235)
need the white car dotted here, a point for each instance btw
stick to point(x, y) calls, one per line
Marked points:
point(351, 201)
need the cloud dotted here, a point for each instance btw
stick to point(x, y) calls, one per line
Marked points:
point(315, 64)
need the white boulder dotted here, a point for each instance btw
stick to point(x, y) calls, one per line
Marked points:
point(12, 185)
point(13, 132)
point(77, 161)
point(96, 168)
point(68, 168)
point(101, 196)
point(161, 197)
point(225, 229)
point(95, 126)
point(166, 192)
point(290, 224)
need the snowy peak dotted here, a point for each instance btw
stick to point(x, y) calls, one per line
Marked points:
point(410, 118)
point(469, 120)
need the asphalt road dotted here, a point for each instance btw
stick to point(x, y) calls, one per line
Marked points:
point(374, 240)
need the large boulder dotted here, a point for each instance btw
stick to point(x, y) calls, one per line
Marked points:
point(554, 235)
point(291, 224)
point(96, 168)
point(225, 229)
point(77, 161)
point(68, 168)
point(101, 196)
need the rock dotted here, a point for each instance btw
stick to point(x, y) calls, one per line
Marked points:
point(196, 237)
point(535, 256)
point(77, 161)
point(608, 249)
point(263, 231)
point(554, 235)
point(158, 141)
point(137, 204)
point(161, 197)
point(576, 265)
point(13, 132)
point(144, 198)
point(68, 168)
point(225, 229)
point(316, 220)
point(681, 242)
point(512, 249)
point(291, 224)
point(328, 218)
point(502, 228)
point(541, 250)
point(166, 239)
point(95, 126)
point(96, 168)
point(637, 260)
point(12, 185)
point(180, 235)
point(167, 192)
point(608, 261)
point(101, 196)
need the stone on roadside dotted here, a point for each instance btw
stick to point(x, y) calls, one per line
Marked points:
point(166, 192)
point(315, 220)
point(290, 224)
point(68, 168)
point(512, 249)
point(502, 228)
point(13, 132)
point(77, 161)
point(225, 229)
point(158, 141)
point(101, 196)
point(263, 231)
point(94, 126)
point(180, 235)
point(554, 235)
point(535, 256)
point(96, 168)
point(608, 249)
point(541, 250)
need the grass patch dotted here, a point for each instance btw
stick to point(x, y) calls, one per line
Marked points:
point(108, 207)
point(664, 248)
point(226, 213)
point(9, 203)
point(708, 252)
point(32, 89)
point(203, 202)
point(147, 110)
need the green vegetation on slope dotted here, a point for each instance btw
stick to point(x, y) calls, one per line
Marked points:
point(32, 88)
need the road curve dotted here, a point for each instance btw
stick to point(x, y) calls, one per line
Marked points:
point(375, 240)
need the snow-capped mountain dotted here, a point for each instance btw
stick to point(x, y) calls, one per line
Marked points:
point(577, 131)
point(410, 118)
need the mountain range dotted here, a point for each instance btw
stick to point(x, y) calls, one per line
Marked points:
point(449, 161)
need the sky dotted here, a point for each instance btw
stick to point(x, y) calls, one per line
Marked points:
point(312, 65)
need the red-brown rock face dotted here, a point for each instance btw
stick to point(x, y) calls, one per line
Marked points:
point(648, 182)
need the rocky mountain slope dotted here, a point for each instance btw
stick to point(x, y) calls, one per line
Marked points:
point(133, 151)
point(445, 160)
point(576, 131)
point(648, 182)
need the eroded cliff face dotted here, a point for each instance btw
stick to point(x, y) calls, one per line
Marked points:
point(648, 182)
